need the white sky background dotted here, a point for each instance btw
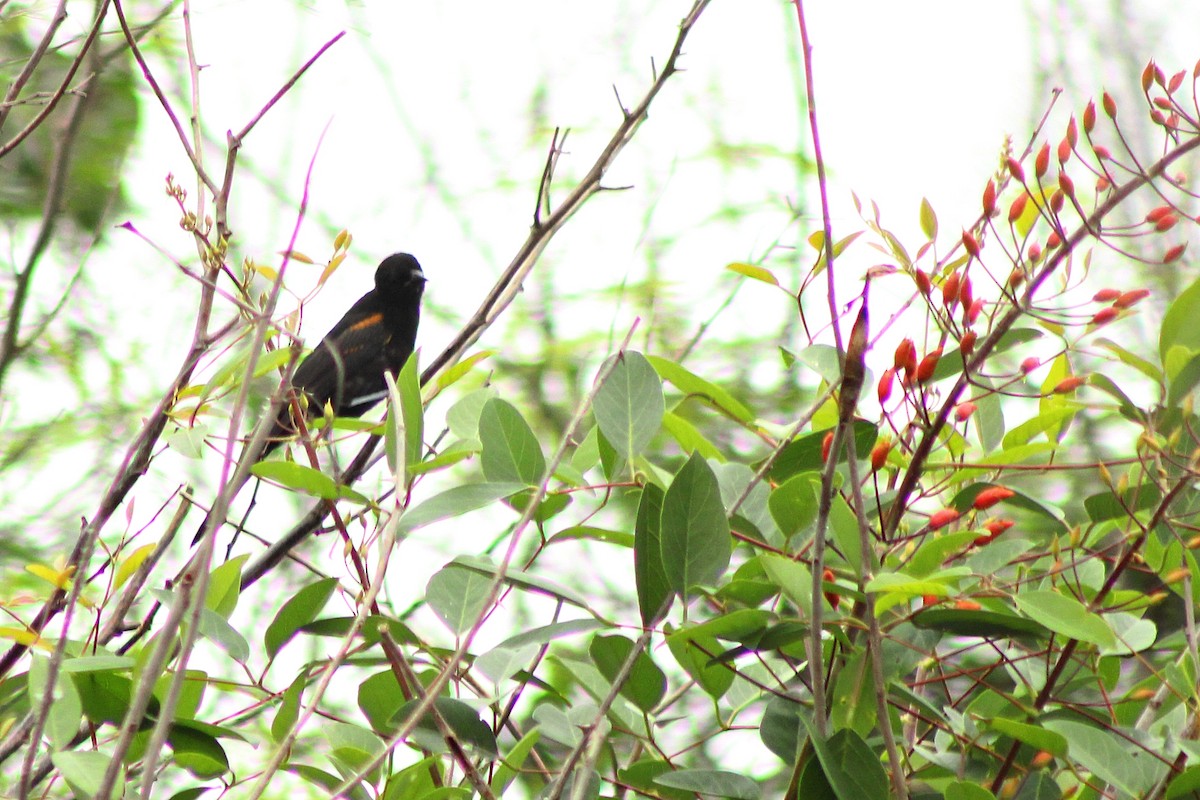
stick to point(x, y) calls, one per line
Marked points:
point(914, 101)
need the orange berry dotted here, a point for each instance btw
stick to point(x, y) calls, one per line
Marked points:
point(1174, 253)
point(879, 454)
point(967, 605)
point(950, 289)
point(885, 385)
point(963, 411)
point(1017, 208)
point(1042, 162)
point(923, 284)
point(966, 345)
point(995, 526)
point(826, 446)
point(971, 244)
point(989, 198)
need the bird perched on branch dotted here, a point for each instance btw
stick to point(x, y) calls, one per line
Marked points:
point(376, 335)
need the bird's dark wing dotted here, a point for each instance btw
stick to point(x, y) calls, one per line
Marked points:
point(346, 369)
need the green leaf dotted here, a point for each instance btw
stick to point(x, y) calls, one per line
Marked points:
point(804, 454)
point(753, 271)
point(929, 224)
point(693, 385)
point(781, 729)
point(629, 406)
point(1035, 736)
point(326, 781)
point(523, 580)
point(300, 610)
point(464, 722)
point(1179, 329)
point(66, 708)
point(455, 502)
point(711, 783)
point(1067, 616)
point(1185, 784)
point(289, 709)
point(379, 699)
point(408, 387)
point(961, 790)
point(650, 576)
point(548, 633)
point(793, 504)
point(1109, 757)
point(689, 438)
point(696, 544)
point(513, 762)
point(511, 452)
point(457, 595)
point(84, 770)
point(850, 766)
point(225, 586)
point(300, 478)
point(646, 684)
point(983, 623)
point(696, 653)
point(197, 751)
point(463, 416)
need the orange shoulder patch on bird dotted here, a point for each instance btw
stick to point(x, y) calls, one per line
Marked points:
point(368, 322)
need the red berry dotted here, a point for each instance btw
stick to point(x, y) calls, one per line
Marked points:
point(1174, 253)
point(884, 391)
point(971, 244)
point(1015, 169)
point(1106, 295)
point(995, 527)
point(923, 284)
point(950, 289)
point(966, 345)
point(1030, 364)
point(1042, 162)
point(879, 454)
point(1017, 208)
point(963, 411)
point(826, 446)
point(1104, 316)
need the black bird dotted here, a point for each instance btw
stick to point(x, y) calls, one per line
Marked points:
point(376, 335)
point(346, 369)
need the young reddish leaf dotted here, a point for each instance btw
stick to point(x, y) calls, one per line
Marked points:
point(1066, 184)
point(1015, 169)
point(965, 294)
point(924, 286)
point(1176, 81)
point(1127, 299)
point(879, 454)
point(966, 345)
point(1042, 162)
point(989, 198)
point(1064, 151)
point(1017, 208)
point(973, 311)
point(940, 519)
point(1148, 76)
point(833, 598)
point(928, 365)
point(995, 526)
point(950, 289)
point(1089, 116)
point(884, 391)
point(1068, 385)
point(905, 352)
point(971, 244)
point(1166, 223)
point(990, 496)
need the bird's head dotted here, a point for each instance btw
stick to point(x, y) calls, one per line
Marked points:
point(398, 272)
